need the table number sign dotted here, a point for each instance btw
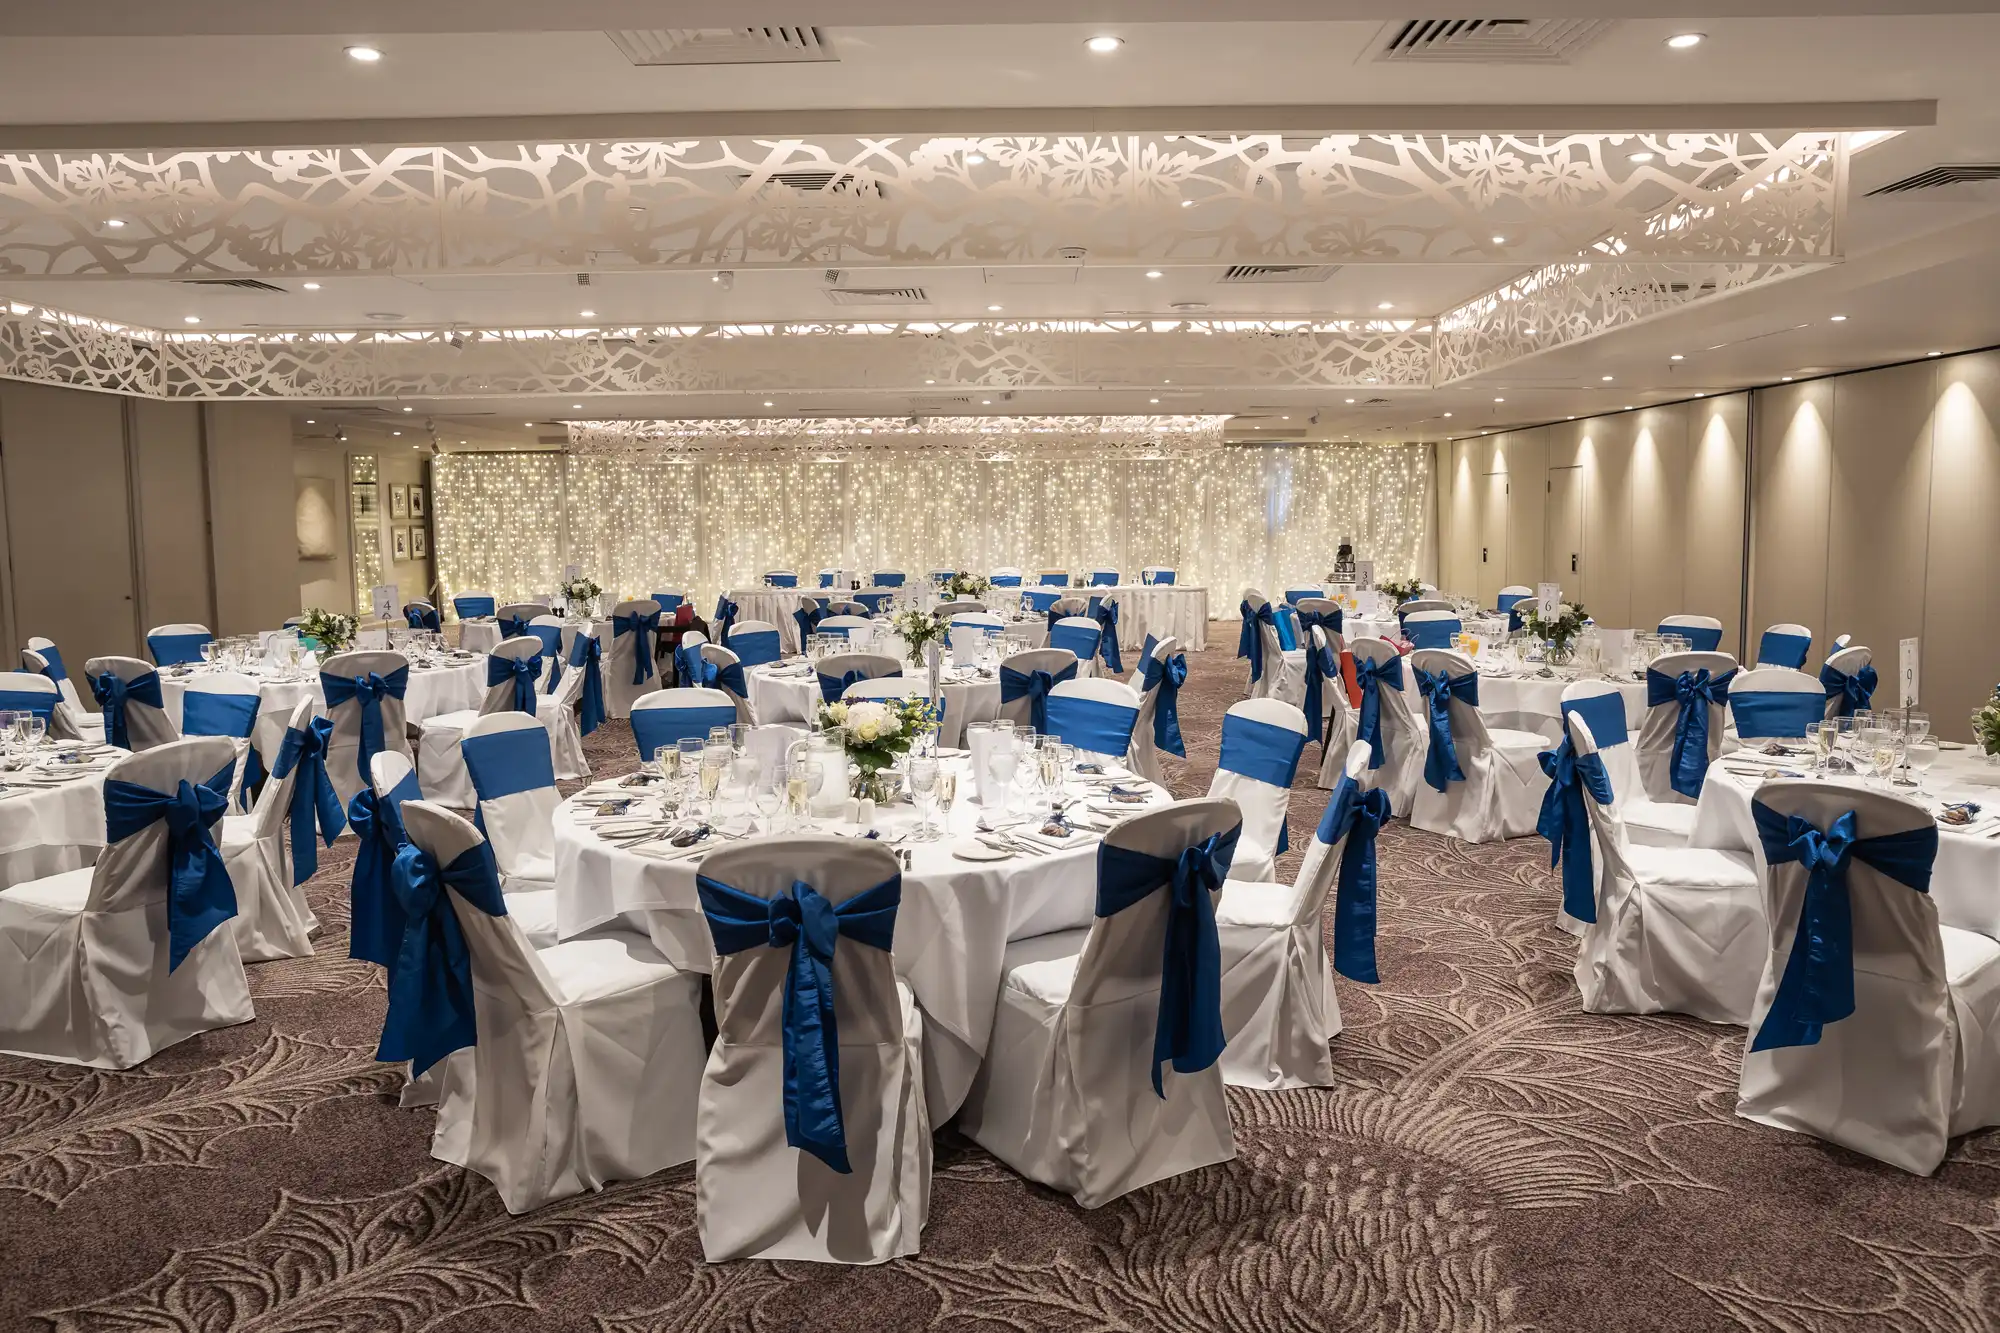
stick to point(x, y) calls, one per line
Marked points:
point(383, 596)
point(1907, 672)
point(1547, 597)
point(1364, 575)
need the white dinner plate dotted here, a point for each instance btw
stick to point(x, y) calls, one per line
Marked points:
point(969, 850)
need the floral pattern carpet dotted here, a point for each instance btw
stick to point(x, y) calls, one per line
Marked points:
point(1492, 1160)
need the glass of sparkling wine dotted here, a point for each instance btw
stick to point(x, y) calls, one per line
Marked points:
point(798, 789)
point(715, 761)
point(947, 790)
point(923, 778)
point(1820, 736)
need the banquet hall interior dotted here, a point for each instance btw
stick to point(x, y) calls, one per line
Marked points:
point(1114, 666)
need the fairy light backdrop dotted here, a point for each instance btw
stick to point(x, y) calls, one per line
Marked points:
point(1226, 518)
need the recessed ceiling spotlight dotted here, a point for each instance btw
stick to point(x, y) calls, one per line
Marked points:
point(395, 432)
point(1386, 305)
point(1447, 414)
point(312, 286)
point(975, 159)
point(930, 381)
point(1104, 45)
point(1154, 273)
point(1933, 353)
point(409, 409)
point(1499, 400)
point(1350, 400)
point(190, 319)
point(1676, 357)
point(1701, 395)
point(527, 423)
point(1639, 157)
point(576, 407)
point(1839, 319)
point(1682, 41)
point(1570, 418)
point(994, 308)
point(114, 222)
point(768, 403)
point(311, 422)
point(1187, 203)
point(586, 314)
point(1499, 240)
point(1152, 400)
point(986, 402)
point(367, 55)
point(1628, 407)
point(1786, 379)
point(1607, 379)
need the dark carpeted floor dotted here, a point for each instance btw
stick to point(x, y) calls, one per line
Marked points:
point(1493, 1159)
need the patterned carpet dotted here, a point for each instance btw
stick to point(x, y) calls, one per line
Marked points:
point(1493, 1159)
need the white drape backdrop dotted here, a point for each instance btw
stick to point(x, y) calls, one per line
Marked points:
point(508, 523)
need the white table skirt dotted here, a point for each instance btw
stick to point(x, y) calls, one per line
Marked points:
point(1965, 881)
point(432, 690)
point(776, 697)
point(46, 830)
point(1159, 609)
point(1535, 704)
point(952, 929)
point(480, 636)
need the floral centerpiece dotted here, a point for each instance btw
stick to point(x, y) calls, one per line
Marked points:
point(1986, 725)
point(579, 592)
point(1401, 590)
point(919, 627)
point(1559, 630)
point(326, 631)
point(972, 587)
point(878, 732)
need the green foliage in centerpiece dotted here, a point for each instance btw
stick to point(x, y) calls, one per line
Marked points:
point(878, 732)
point(970, 587)
point(918, 628)
point(1568, 622)
point(1401, 590)
point(1986, 724)
point(327, 631)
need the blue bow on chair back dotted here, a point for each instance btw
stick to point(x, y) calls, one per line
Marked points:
point(1262, 752)
point(551, 637)
point(726, 612)
point(1817, 987)
point(1438, 689)
point(1371, 678)
point(304, 752)
point(1330, 621)
point(1033, 686)
point(1848, 692)
point(176, 649)
point(512, 627)
point(375, 928)
point(1250, 643)
point(1694, 693)
point(1358, 816)
point(1785, 650)
point(808, 622)
point(587, 655)
point(431, 1007)
point(1322, 665)
point(370, 690)
point(199, 894)
point(116, 696)
point(522, 672)
point(205, 713)
point(811, 926)
point(1188, 1031)
point(1166, 678)
point(1566, 824)
point(642, 628)
point(471, 608)
point(1106, 616)
point(714, 676)
point(423, 617)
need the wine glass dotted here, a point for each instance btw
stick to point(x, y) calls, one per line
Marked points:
point(715, 761)
point(28, 731)
point(1820, 736)
point(767, 793)
point(947, 792)
point(1920, 753)
point(798, 789)
point(922, 775)
point(208, 652)
point(739, 738)
point(687, 758)
point(1000, 767)
point(7, 716)
point(1876, 753)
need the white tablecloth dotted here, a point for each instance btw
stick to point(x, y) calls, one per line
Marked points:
point(1965, 882)
point(1159, 609)
point(47, 830)
point(1534, 703)
point(782, 695)
point(480, 636)
point(952, 929)
point(447, 688)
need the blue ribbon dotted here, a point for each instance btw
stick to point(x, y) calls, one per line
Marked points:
point(1818, 985)
point(1330, 621)
point(1250, 643)
point(375, 926)
point(642, 648)
point(653, 728)
point(669, 601)
point(1321, 665)
point(887, 578)
point(588, 654)
point(551, 637)
point(506, 763)
point(1431, 633)
point(114, 696)
point(1371, 677)
point(523, 672)
point(54, 668)
point(42, 703)
point(1787, 650)
point(756, 647)
point(1695, 692)
point(832, 687)
point(1107, 639)
point(1103, 578)
point(1701, 638)
point(726, 612)
point(1848, 692)
point(1262, 752)
point(470, 608)
point(1189, 1029)
point(825, 579)
point(1096, 725)
point(1083, 642)
point(1358, 816)
point(1033, 686)
point(512, 627)
point(304, 750)
point(808, 622)
point(199, 894)
point(810, 926)
point(176, 649)
point(431, 1008)
point(1439, 688)
point(370, 690)
point(712, 676)
point(423, 617)
point(780, 579)
point(1167, 677)
point(205, 713)
point(1286, 619)
point(1566, 824)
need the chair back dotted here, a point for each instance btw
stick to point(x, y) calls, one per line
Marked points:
point(1103, 578)
point(1005, 577)
point(1418, 604)
point(1396, 708)
point(1158, 574)
point(670, 599)
point(722, 659)
point(1842, 666)
point(513, 773)
point(842, 606)
point(175, 645)
point(628, 667)
point(1144, 757)
point(970, 629)
point(665, 717)
point(1785, 645)
point(52, 666)
point(1295, 596)
point(845, 625)
point(1069, 605)
point(1077, 634)
point(1319, 872)
point(886, 687)
point(1317, 605)
point(1775, 703)
point(1703, 633)
point(1096, 716)
point(1602, 708)
point(1655, 747)
point(755, 642)
point(549, 629)
point(1055, 661)
point(474, 605)
point(421, 615)
point(1053, 578)
point(1121, 955)
point(515, 617)
point(1512, 594)
point(1431, 629)
point(959, 608)
point(887, 578)
point(781, 578)
point(1262, 740)
point(500, 696)
point(344, 757)
point(30, 692)
point(135, 871)
point(827, 577)
point(1039, 600)
point(836, 671)
point(509, 983)
point(147, 724)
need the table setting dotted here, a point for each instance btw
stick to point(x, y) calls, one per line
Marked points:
point(51, 799)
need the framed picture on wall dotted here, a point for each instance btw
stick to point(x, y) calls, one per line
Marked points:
point(420, 543)
point(416, 501)
point(399, 500)
point(402, 542)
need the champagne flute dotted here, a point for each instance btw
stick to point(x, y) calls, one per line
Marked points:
point(1884, 754)
point(1820, 736)
point(947, 792)
point(715, 760)
point(766, 795)
point(798, 789)
point(739, 738)
point(687, 751)
point(922, 774)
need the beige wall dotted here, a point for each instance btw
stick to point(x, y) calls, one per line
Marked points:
point(328, 583)
point(171, 519)
point(251, 493)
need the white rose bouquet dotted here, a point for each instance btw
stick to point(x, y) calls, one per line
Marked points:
point(580, 591)
point(1399, 591)
point(919, 628)
point(966, 586)
point(879, 731)
point(330, 631)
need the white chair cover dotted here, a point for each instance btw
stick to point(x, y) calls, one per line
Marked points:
point(513, 777)
point(832, 671)
point(1431, 627)
point(272, 918)
point(1020, 709)
point(42, 657)
point(1774, 703)
point(756, 1194)
point(1654, 746)
point(1703, 633)
point(886, 687)
point(664, 717)
point(1338, 722)
point(1278, 1005)
point(1080, 635)
point(173, 645)
point(969, 631)
point(1500, 794)
point(440, 763)
point(1098, 717)
point(1676, 930)
point(1066, 1096)
point(228, 707)
point(722, 659)
point(1282, 677)
point(587, 1057)
point(1648, 823)
point(344, 756)
point(1144, 758)
point(1785, 645)
point(1840, 664)
point(629, 668)
point(756, 642)
point(1262, 740)
point(31, 692)
point(1403, 740)
point(1418, 605)
point(1918, 1060)
point(146, 723)
point(87, 978)
point(845, 626)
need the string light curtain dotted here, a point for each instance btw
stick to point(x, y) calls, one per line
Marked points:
point(1234, 518)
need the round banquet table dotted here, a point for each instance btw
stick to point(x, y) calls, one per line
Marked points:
point(952, 928)
point(789, 694)
point(479, 636)
point(1534, 703)
point(47, 827)
point(1965, 880)
point(1158, 609)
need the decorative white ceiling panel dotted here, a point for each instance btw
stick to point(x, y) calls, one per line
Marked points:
point(900, 201)
point(1136, 438)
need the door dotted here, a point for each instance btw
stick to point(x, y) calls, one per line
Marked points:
point(1492, 568)
point(1565, 530)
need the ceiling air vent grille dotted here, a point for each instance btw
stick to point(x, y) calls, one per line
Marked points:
point(1954, 173)
point(1278, 272)
point(1489, 41)
point(240, 284)
point(878, 296)
point(940, 402)
point(720, 46)
point(822, 182)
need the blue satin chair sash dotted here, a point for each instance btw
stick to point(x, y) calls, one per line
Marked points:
point(1321, 666)
point(811, 927)
point(370, 690)
point(1296, 595)
point(234, 715)
point(1039, 602)
point(1507, 601)
point(1053, 580)
point(887, 578)
point(1106, 616)
point(1700, 638)
point(832, 687)
point(1083, 642)
point(551, 637)
point(715, 676)
point(431, 1006)
point(1264, 753)
point(1785, 650)
point(1033, 686)
point(42, 703)
point(199, 894)
point(523, 672)
point(1103, 578)
point(669, 601)
point(176, 649)
point(506, 763)
point(1330, 621)
point(1005, 580)
point(1167, 678)
point(424, 618)
point(644, 628)
point(1250, 643)
point(587, 653)
point(655, 727)
point(1604, 714)
point(304, 749)
point(808, 622)
point(1371, 678)
point(55, 670)
point(1693, 692)
point(1357, 815)
point(1566, 824)
point(471, 608)
point(782, 580)
point(1848, 692)
point(1431, 633)
point(1775, 713)
point(825, 579)
point(1163, 577)
point(726, 612)
point(115, 696)
point(375, 926)
point(1438, 689)
point(756, 647)
point(1287, 620)
point(1817, 987)
point(1095, 725)
point(1188, 1031)
point(512, 627)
